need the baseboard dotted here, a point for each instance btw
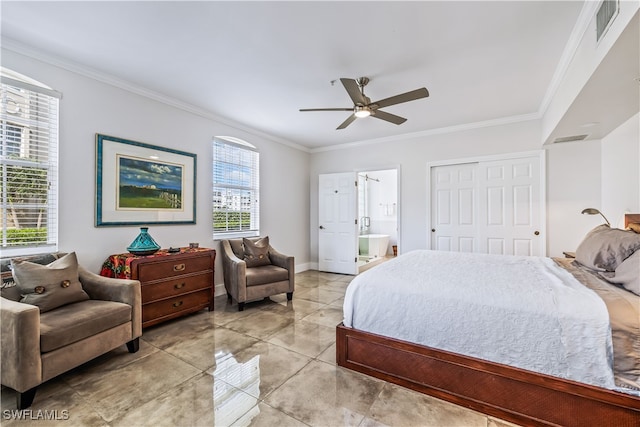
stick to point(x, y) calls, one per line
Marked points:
point(219, 289)
point(306, 266)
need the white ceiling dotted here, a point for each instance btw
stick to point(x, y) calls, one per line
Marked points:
point(257, 63)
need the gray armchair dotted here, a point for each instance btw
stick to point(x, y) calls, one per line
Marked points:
point(37, 346)
point(245, 281)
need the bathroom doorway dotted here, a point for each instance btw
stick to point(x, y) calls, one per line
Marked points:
point(377, 217)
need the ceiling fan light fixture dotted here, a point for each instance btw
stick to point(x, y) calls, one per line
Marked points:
point(361, 111)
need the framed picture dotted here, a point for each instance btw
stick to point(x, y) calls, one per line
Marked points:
point(139, 184)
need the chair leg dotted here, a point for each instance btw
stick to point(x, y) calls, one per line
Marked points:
point(133, 345)
point(26, 399)
point(240, 306)
point(289, 296)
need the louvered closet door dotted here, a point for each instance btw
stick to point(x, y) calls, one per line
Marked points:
point(490, 206)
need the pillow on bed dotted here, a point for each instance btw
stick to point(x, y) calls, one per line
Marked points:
point(628, 273)
point(634, 226)
point(604, 248)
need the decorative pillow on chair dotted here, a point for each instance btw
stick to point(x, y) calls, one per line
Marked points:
point(256, 253)
point(604, 248)
point(49, 286)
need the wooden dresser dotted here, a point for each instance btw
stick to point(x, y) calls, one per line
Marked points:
point(172, 284)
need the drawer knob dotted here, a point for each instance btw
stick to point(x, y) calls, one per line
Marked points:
point(179, 267)
point(179, 285)
point(177, 303)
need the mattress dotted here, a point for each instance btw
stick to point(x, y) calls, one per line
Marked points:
point(526, 312)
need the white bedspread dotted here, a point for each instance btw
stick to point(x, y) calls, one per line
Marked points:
point(520, 311)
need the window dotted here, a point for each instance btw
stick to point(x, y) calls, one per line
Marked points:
point(236, 189)
point(28, 165)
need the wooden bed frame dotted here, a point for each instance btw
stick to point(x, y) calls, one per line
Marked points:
point(502, 391)
point(512, 394)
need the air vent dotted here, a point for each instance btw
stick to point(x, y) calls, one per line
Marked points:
point(570, 138)
point(605, 16)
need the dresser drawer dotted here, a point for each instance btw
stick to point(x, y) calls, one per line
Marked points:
point(176, 286)
point(165, 268)
point(168, 307)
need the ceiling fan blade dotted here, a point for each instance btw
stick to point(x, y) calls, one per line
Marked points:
point(404, 97)
point(347, 122)
point(326, 109)
point(389, 117)
point(354, 91)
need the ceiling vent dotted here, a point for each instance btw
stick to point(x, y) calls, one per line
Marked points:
point(570, 138)
point(605, 16)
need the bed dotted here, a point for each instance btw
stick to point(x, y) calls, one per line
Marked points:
point(569, 355)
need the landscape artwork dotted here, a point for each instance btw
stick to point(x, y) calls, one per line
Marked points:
point(144, 184)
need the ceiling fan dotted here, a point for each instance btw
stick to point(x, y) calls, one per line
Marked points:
point(363, 107)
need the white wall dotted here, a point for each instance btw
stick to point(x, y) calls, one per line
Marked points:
point(621, 171)
point(573, 184)
point(89, 106)
point(412, 155)
point(601, 174)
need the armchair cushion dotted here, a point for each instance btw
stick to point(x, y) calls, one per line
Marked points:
point(266, 274)
point(75, 322)
point(49, 286)
point(256, 253)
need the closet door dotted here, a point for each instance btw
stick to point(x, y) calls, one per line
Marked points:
point(492, 206)
point(454, 203)
point(509, 207)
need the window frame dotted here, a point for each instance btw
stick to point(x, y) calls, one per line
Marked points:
point(253, 187)
point(44, 143)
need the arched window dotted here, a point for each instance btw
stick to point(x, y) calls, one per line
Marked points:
point(28, 165)
point(236, 188)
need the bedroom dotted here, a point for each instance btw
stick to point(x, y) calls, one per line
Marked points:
point(607, 178)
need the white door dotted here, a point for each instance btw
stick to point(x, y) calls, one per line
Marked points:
point(509, 207)
point(454, 207)
point(337, 221)
point(491, 206)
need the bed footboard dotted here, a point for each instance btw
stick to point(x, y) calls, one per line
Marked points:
point(509, 393)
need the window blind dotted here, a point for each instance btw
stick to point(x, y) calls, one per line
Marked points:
point(236, 189)
point(28, 167)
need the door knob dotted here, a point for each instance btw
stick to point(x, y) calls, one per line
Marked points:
point(322, 227)
point(537, 233)
point(433, 230)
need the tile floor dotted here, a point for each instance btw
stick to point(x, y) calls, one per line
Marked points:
point(272, 364)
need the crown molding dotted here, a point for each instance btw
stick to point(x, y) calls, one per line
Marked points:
point(436, 131)
point(587, 12)
point(22, 49)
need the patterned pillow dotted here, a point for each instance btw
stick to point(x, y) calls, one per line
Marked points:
point(256, 253)
point(49, 286)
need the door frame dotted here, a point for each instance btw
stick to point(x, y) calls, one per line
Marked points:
point(398, 170)
point(541, 154)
